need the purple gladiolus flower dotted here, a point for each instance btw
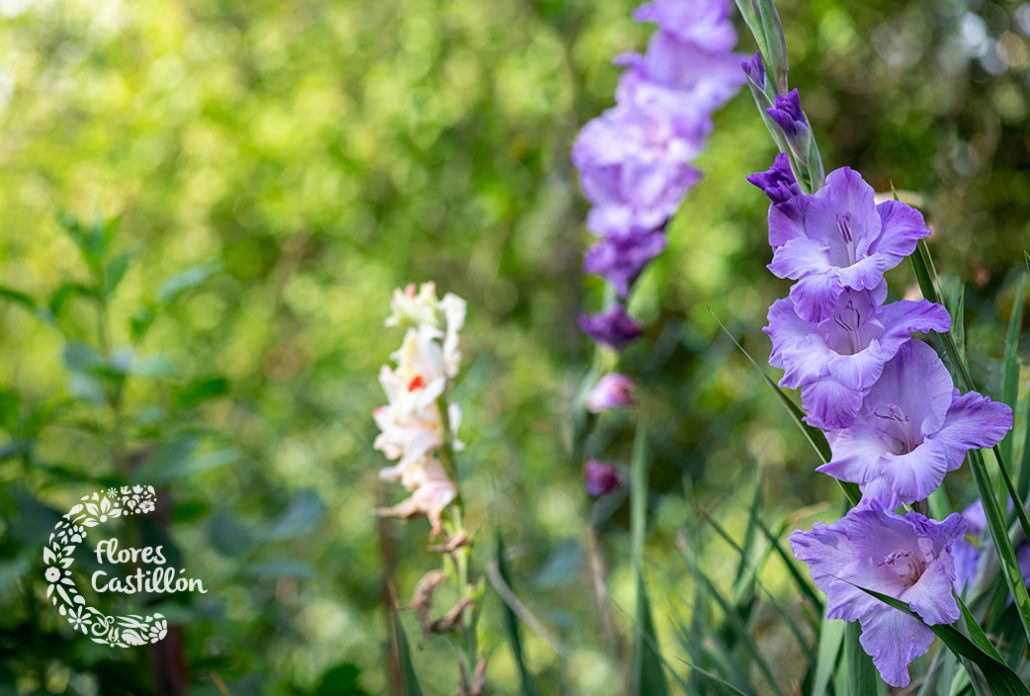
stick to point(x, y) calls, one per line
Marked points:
point(633, 167)
point(913, 428)
point(967, 554)
point(621, 258)
point(906, 557)
point(601, 478)
point(691, 52)
point(839, 239)
point(703, 23)
point(614, 328)
point(970, 548)
point(614, 390)
point(755, 70)
point(787, 114)
point(835, 362)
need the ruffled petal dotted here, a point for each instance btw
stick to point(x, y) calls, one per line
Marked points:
point(973, 421)
point(798, 258)
point(815, 296)
point(894, 639)
point(902, 228)
point(830, 405)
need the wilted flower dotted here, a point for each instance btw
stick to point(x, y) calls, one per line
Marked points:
point(913, 428)
point(611, 391)
point(906, 557)
point(836, 361)
point(839, 239)
point(614, 328)
point(431, 491)
point(601, 478)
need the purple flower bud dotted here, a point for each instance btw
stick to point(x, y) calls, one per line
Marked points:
point(620, 258)
point(611, 391)
point(778, 183)
point(755, 70)
point(601, 478)
point(787, 114)
point(614, 328)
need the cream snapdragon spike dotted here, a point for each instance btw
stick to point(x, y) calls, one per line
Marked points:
point(890, 411)
point(413, 428)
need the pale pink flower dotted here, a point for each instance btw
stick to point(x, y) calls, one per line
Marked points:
point(611, 391)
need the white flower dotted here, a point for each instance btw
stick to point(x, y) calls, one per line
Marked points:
point(408, 308)
point(79, 619)
point(412, 423)
point(431, 491)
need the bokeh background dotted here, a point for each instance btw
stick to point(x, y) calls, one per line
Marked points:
point(256, 179)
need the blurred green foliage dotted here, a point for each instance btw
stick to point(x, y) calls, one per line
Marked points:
point(263, 174)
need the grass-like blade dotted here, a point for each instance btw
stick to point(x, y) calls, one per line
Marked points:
point(813, 435)
point(751, 569)
point(862, 677)
point(648, 676)
point(1000, 537)
point(831, 637)
point(1023, 487)
point(1000, 678)
point(511, 627)
point(795, 574)
point(411, 687)
point(976, 633)
point(714, 677)
point(733, 619)
point(1010, 385)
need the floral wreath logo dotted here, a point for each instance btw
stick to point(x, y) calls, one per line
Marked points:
point(95, 509)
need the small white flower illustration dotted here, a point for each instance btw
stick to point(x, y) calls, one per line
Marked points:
point(52, 574)
point(146, 506)
point(79, 619)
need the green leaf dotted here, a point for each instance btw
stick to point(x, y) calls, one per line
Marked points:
point(734, 620)
point(1000, 538)
point(64, 294)
point(511, 626)
point(862, 676)
point(18, 297)
point(831, 637)
point(201, 390)
point(342, 679)
point(300, 517)
point(140, 322)
point(1000, 678)
point(411, 687)
point(648, 676)
point(115, 272)
point(1010, 384)
point(186, 280)
point(10, 407)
